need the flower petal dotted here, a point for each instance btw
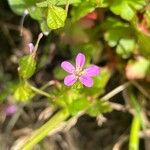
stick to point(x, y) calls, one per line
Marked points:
point(70, 80)
point(80, 60)
point(31, 47)
point(67, 66)
point(87, 81)
point(92, 70)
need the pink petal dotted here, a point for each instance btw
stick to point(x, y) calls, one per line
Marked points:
point(31, 47)
point(70, 80)
point(87, 81)
point(67, 66)
point(92, 70)
point(80, 60)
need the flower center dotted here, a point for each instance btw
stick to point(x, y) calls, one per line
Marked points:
point(79, 72)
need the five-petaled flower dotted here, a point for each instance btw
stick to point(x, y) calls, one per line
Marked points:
point(78, 72)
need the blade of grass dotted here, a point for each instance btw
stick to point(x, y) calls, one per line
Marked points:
point(137, 123)
point(134, 134)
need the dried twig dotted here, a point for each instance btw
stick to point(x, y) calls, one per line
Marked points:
point(115, 91)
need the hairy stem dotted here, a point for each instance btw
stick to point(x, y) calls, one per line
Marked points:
point(47, 128)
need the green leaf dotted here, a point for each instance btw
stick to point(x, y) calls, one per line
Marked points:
point(100, 3)
point(23, 92)
point(30, 2)
point(121, 7)
point(99, 107)
point(100, 82)
point(56, 17)
point(137, 4)
point(126, 8)
point(42, 4)
point(66, 96)
point(116, 30)
point(17, 6)
point(78, 105)
point(82, 10)
point(125, 47)
point(36, 13)
point(56, 2)
point(147, 16)
point(27, 66)
point(144, 43)
point(44, 27)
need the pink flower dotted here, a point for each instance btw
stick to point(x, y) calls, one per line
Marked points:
point(78, 72)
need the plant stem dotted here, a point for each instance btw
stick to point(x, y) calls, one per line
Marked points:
point(134, 134)
point(43, 131)
point(40, 91)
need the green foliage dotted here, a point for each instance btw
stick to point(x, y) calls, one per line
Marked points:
point(99, 107)
point(56, 17)
point(78, 105)
point(46, 13)
point(115, 31)
point(100, 82)
point(27, 66)
point(17, 6)
point(144, 44)
point(57, 2)
point(23, 92)
point(125, 47)
point(126, 8)
point(82, 10)
point(79, 98)
point(36, 13)
point(120, 35)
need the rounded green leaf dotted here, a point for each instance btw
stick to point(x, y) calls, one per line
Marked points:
point(17, 6)
point(36, 13)
point(126, 47)
point(56, 17)
point(126, 8)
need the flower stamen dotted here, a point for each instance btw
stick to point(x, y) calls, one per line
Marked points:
point(79, 72)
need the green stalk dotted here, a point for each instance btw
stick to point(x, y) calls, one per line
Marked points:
point(39, 91)
point(43, 131)
point(134, 134)
point(137, 124)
